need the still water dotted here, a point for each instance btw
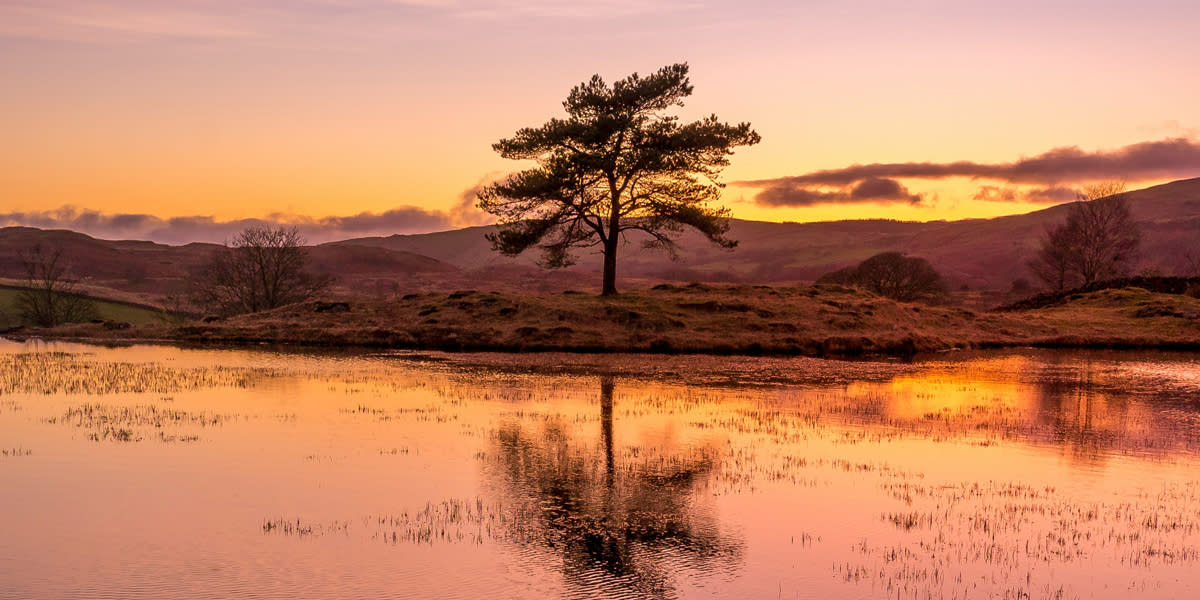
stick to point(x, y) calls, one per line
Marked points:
point(154, 472)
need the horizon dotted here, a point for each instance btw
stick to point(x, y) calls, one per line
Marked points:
point(363, 117)
point(209, 231)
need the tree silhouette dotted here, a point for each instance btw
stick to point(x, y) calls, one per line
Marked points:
point(1098, 241)
point(893, 275)
point(599, 514)
point(263, 268)
point(49, 296)
point(617, 163)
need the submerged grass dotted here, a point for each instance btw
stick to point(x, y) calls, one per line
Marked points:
point(572, 466)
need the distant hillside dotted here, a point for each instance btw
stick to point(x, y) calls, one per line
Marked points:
point(147, 272)
point(981, 253)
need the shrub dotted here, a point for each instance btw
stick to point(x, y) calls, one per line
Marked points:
point(893, 275)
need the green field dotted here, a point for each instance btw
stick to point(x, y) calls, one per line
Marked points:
point(108, 310)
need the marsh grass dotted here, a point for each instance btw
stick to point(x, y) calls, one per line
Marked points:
point(70, 373)
point(105, 422)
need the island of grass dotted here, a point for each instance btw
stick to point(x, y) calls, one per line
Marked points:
point(820, 320)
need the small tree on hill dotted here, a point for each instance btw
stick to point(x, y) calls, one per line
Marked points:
point(892, 274)
point(50, 296)
point(1098, 241)
point(263, 268)
point(617, 163)
point(1054, 261)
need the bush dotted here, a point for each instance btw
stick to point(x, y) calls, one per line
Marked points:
point(893, 275)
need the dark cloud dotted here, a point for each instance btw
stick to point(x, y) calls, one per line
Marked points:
point(198, 228)
point(874, 190)
point(1165, 159)
point(878, 189)
point(1172, 158)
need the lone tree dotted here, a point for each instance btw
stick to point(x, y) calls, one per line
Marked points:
point(263, 268)
point(616, 163)
point(1098, 241)
point(1054, 261)
point(893, 275)
point(49, 296)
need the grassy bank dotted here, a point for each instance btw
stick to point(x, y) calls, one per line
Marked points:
point(817, 320)
point(107, 310)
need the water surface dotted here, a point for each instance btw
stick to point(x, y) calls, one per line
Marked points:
point(149, 472)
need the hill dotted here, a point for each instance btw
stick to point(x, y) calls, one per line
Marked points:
point(981, 253)
point(150, 273)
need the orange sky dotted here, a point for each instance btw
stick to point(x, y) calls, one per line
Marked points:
point(338, 107)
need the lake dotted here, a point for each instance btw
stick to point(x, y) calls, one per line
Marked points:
point(154, 471)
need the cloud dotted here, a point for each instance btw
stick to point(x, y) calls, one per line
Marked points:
point(198, 228)
point(878, 189)
point(261, 21)
point(1165, 159)
point(875, 190)
point(109, 21)
point(995, 193)
point(1037, 195)
point(1051, 195)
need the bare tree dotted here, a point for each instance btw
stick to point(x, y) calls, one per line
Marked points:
point(1188, 262)
point(1107, 237)
point(263, 268)
point(892, 274)
point(1190, 266)
point(1098, 241)
point(1053, 263)
point(50, 296)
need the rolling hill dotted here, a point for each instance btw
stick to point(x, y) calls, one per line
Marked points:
point(150, 273)
point(980, 253)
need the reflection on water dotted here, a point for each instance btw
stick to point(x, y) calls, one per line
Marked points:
point(1011, 475)
point(634, 517)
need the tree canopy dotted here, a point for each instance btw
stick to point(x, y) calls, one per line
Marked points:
point(893, 275)
point(50, 296)
point(617, 163)
point(263, 268)
point(1098, 241)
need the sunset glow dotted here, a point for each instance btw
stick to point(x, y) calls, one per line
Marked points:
point(303, 110)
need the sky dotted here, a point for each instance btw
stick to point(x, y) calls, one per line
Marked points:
point(185, 120)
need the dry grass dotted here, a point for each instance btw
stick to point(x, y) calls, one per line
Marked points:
point(815, 320)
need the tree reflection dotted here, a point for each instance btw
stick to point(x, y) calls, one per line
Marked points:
point(1069, 406)
point(631, 518)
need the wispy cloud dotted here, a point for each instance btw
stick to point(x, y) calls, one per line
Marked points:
point(111, 21)
point(107, 21)
point(1052, 170)
point(1036, 195)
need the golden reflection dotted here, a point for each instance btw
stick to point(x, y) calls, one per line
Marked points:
point(1023, 472)
point(634, 513)
point(986, 385)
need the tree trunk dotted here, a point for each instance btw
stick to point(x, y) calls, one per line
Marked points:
point(610, 257)
point(610, 270)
